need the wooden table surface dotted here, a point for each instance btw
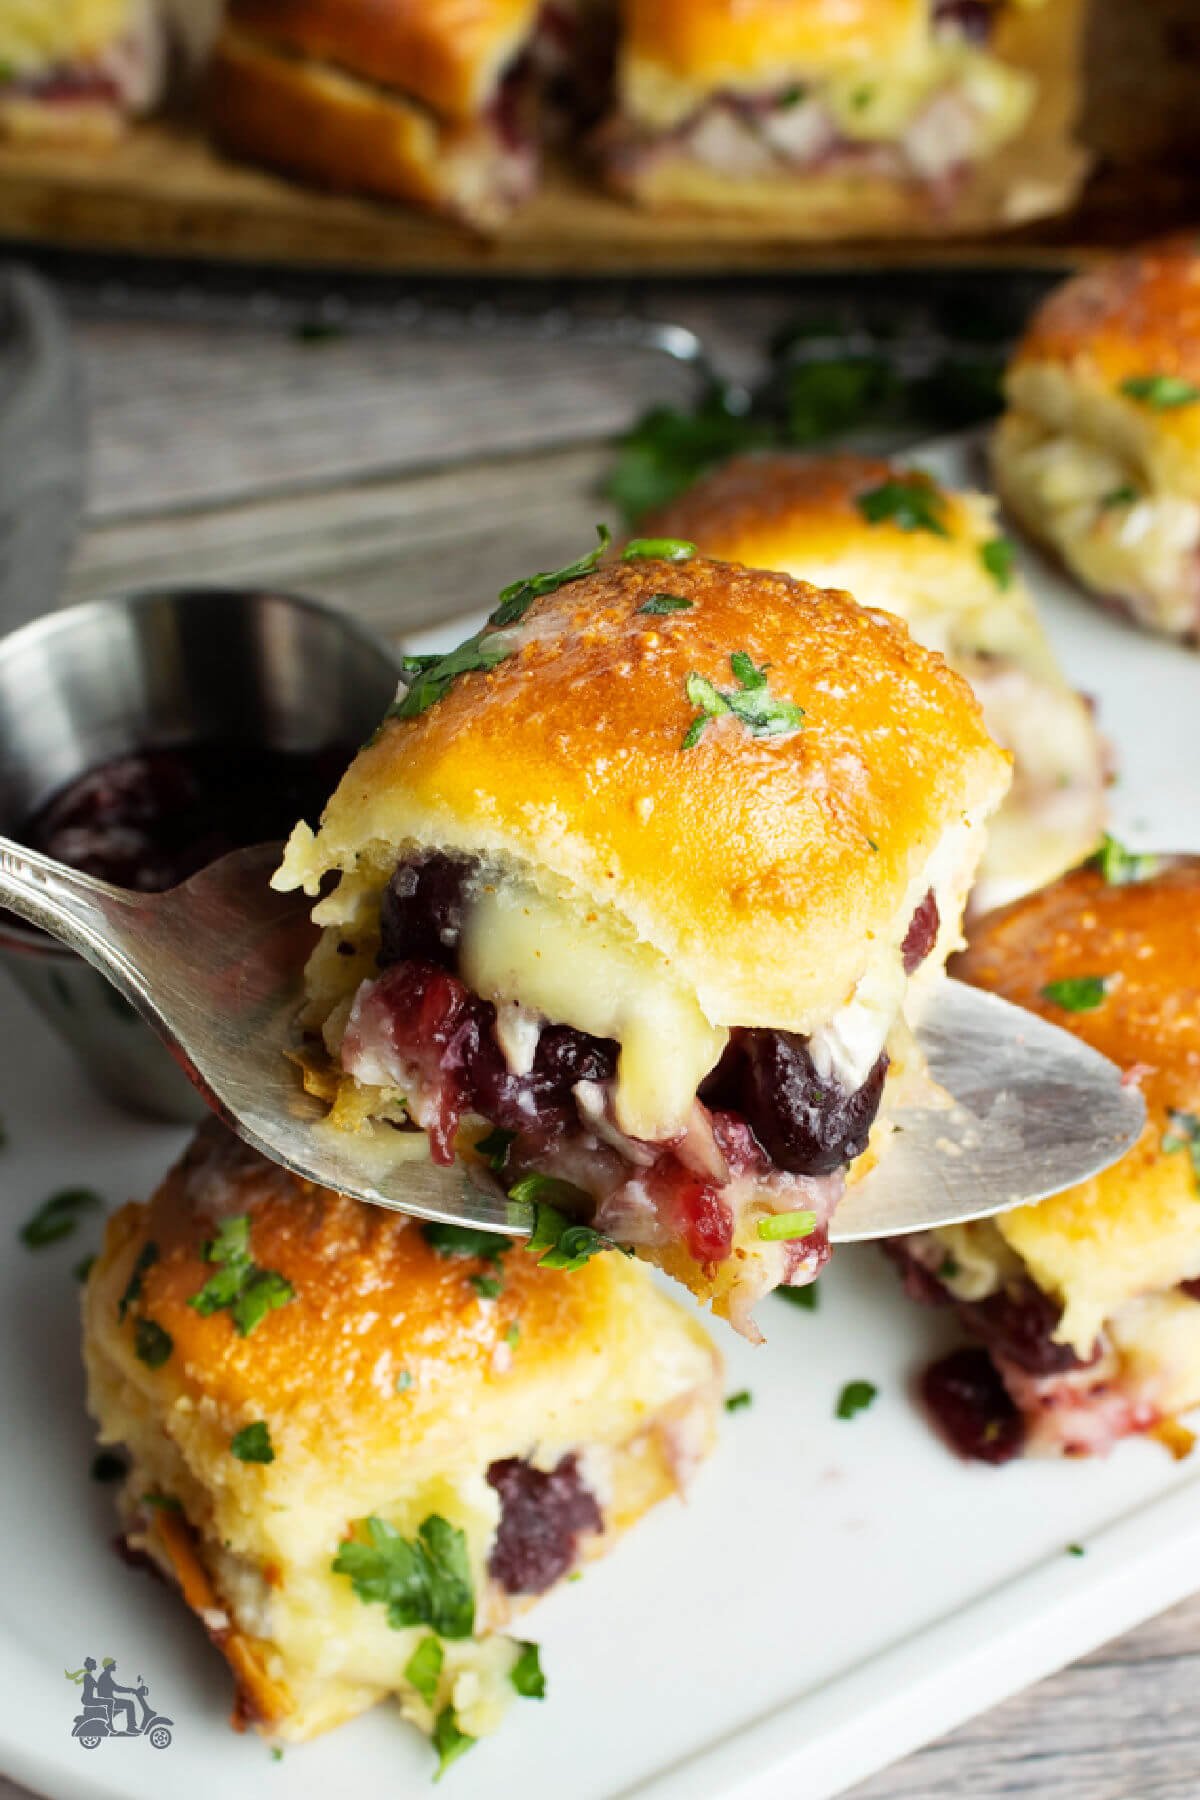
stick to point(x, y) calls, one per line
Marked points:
point(408, 479)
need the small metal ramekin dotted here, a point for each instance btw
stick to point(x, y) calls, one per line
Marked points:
point(162, 668)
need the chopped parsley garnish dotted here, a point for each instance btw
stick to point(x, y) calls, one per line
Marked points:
point(404, 1381)
point(556, 1240)
point(423, 1669)
point(424, 1580)
point(464, 1240)
point(83, 1268)
point(911, 502)
point(786, 1225)
point(526, 1673)
point(512, 1336)
point(449, 1740)
point(1121, 867)
point(151, 1344)
point(516, 599)
point(807, 1298)
point(791, 96)
point(1125, 495)
point(240, 1286)
point(659, 604)
point(1077, 993)
point(494, 1148)
point(1184, 1134)
point(276, 1753)
point(997, 557)
point(147, 1256)
point(855, 1397)
point(253, 1444)
point(666, 549)
point(862, 98)
point(1162, 392)
point(108, 1466)
point(740, 1401)
point(432, 678)
point(751, 703)
point(57, 1217)
point(162, 1502)
point(947, 1269)
point(667, 448)
point(488, 1287)
point(1076, 1550)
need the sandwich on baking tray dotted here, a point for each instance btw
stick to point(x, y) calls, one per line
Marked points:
point(638, 893)
point(359, 1446)
point(432, 101)
point(848, 116)
point(1084, 1309)
point(897, 539)
point(1098, 453)
point(74, 71)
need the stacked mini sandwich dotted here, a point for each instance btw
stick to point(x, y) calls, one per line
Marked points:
point(75, 71)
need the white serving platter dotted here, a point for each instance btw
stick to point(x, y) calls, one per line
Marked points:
point(833, 1594)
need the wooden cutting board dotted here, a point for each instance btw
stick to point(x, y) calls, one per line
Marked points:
point(166, 192)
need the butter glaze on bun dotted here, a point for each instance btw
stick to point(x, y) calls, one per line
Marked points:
point(806, 516)
point(1115, 1259)
point(1098, 453)
point(391, 1386)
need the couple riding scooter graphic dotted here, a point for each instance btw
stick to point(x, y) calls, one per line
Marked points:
point(104, 1698)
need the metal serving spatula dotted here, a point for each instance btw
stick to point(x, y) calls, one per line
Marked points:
point(215, 965)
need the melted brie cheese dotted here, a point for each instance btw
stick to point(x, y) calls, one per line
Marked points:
point(576, 969)
point(1134, 547)
point(40, 34)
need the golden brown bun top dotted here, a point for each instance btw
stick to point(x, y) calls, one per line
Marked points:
point(772, 509)
point(1135, 316)
point(1132, 314)
point(448, 53)
point(710, 42)
point(1144, 936)
point(375, 1304)
point(768, 870)
point(1135, 1228)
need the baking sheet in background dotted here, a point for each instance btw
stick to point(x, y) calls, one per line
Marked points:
point(833, 1594)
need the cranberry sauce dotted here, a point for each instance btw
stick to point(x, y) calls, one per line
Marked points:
point(543, 1514)
point(965, 1391)
point(804, 1124)
point(448, 1033)
point(1018, 1324)
point(972, 19)
point(921, 935)
point(972, 1408)
point(149, 820)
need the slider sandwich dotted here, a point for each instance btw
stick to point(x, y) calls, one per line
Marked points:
point(848, 117)
point(638, 893)
point(1098, 453)
point(936, 559)
point(1084, 1309)
point(423, 100)
point(360, 1447)
point(76, 71)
